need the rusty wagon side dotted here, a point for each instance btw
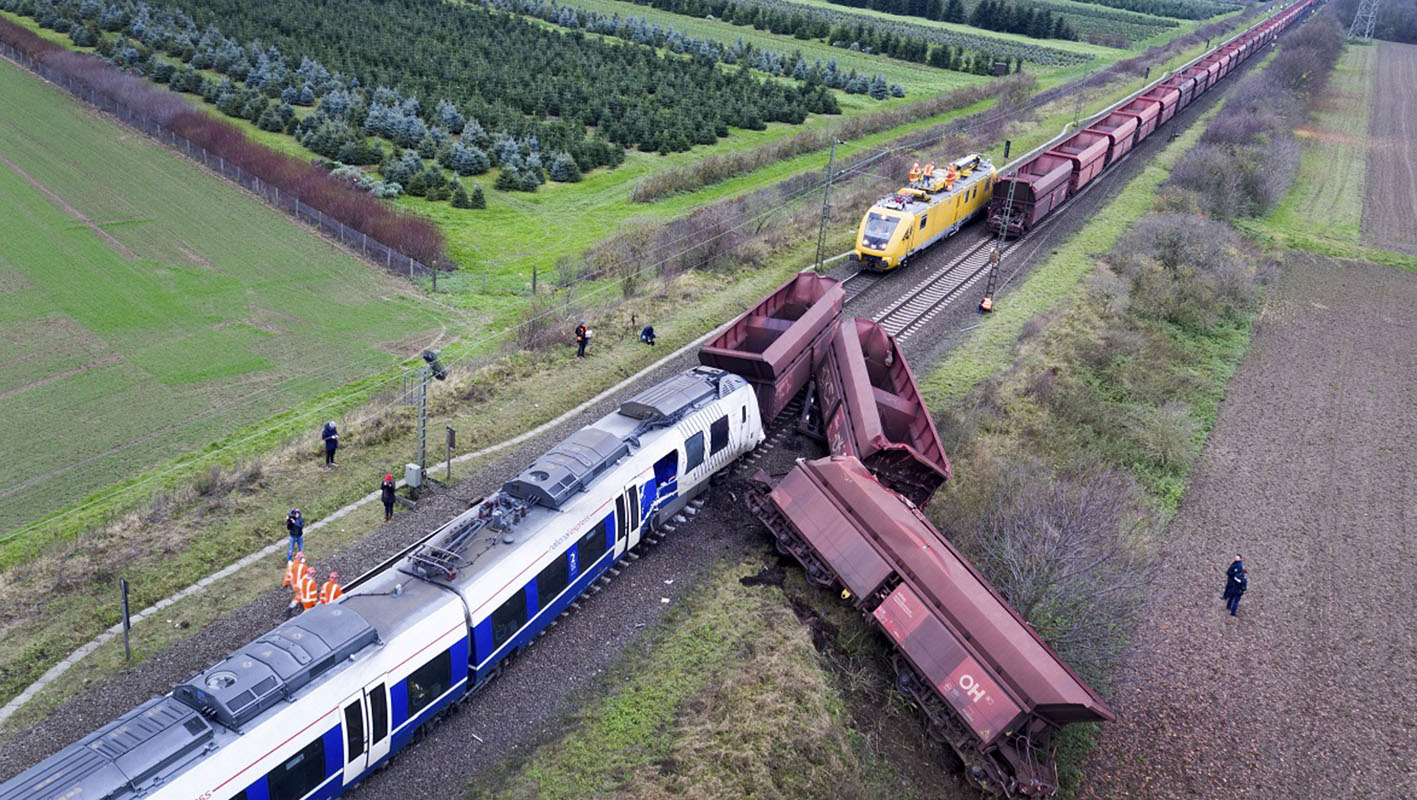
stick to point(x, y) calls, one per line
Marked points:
point(871, 409)
point(775, 344)
point(989, 686)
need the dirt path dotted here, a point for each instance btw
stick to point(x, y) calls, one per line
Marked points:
point(1311, 474)
point(1391, 199)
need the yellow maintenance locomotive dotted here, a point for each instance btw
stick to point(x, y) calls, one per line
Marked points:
point(935, 204)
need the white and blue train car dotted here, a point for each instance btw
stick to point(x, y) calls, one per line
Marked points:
point(314, 705)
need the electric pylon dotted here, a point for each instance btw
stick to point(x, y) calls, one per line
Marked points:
point(1364, 20)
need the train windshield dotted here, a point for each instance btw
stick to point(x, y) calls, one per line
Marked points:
point(879, 229)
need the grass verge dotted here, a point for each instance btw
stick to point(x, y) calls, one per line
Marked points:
point(725, 697)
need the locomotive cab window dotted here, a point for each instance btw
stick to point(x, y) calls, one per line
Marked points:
point(923, 219)
point(718, 435)
point(508, 619)
point(299, 775)
point(694, 451)
point(592, 545)
point(429, 682)
point(552, 580)
point(745, 415)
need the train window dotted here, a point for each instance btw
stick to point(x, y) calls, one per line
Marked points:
point(299, 775)
point(553, 580)
point(592, 545)
point(718, 435)
point(354, 730)
point(693, 451)
point(508, 619)
point(745, 415)
point(379, 714)
point(923, 218)
point(428, 682)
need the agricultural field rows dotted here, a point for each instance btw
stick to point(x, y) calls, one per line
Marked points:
point(148, 308)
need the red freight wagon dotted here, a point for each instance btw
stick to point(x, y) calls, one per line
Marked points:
point(1037, 188)
point(871, 409)
point(1088, 154)
point(1121, 132)
point(1212, 66)
point(1186, 86)
point(1147, 112)
point(1200, 75)
point(988, 683)
point(1169, 99)
point(775, 344)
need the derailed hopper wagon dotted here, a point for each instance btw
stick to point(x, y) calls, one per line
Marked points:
point(871, 409)
point(775, 344)
point(989, 685)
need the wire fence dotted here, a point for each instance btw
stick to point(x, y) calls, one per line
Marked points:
point(369, 248)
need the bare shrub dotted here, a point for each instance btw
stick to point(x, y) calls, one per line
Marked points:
point(1069, 553)
point(539, 325)
point(208, 483)
point(1167, 435)
point(1186, 269)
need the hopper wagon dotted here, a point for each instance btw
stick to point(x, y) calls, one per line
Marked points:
point(775, 344)
point(987, 683)
point(871, 409)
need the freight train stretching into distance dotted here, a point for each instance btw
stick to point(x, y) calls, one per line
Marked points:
point(314, 705)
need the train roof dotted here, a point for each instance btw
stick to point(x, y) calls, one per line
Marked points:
point(480, 539)
point(125, 756)
point(909, 199)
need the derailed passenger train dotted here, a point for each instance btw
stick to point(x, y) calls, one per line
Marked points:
point(311, 707)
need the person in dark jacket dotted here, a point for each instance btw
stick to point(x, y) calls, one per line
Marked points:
point(331, 436)
point(1236, 582)
point(582, 339)
point(647, 335)
point(295, 527)
point(386, 493)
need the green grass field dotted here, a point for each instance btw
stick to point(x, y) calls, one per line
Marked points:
point(1326, 200)
point(149, 308)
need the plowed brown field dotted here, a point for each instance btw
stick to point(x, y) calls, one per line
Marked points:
point(1311, 474)
point(1390, 203)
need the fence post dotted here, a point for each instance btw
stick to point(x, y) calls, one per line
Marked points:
point(127, 623)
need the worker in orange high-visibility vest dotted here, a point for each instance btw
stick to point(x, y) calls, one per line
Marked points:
point(331, 591)
point(293, 568)
point(307, 593)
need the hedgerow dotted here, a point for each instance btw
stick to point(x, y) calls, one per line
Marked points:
point(410, 235)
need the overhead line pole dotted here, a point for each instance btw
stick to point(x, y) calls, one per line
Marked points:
point(826, 208)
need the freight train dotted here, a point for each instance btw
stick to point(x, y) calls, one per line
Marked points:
point(314, 705)
point(1026, 195)
point(933, 206)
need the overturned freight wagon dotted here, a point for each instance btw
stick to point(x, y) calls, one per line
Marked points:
point(775, 344)
point(989, 686)
point(870, 408)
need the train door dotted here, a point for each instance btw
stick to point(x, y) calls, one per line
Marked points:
point(366, 730)
point(627, 520)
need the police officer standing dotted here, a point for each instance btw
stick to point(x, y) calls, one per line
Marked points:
point(1236, 582)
